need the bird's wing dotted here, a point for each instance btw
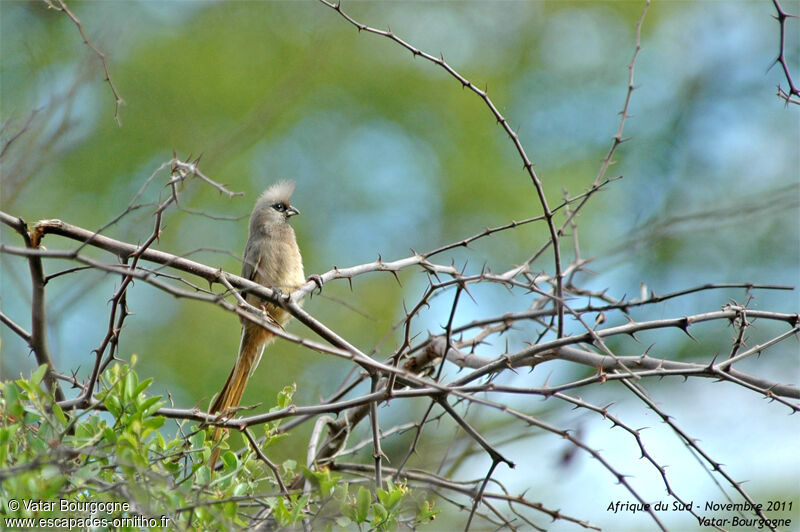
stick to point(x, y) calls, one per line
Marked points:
point(252, 260)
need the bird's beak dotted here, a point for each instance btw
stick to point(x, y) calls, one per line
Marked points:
point(291, 211)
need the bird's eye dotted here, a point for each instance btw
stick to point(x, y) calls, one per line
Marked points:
point(280, 207)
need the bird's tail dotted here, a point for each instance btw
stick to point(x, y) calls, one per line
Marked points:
point(250, 350)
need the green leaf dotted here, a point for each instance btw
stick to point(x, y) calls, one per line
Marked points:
point(230, 509)
point(151, 405)
point(38, 375)
point(285, 395)
point(363, 500)
point(350, 511)
point(59, 413)
point(49, 472)
point(145, 384)
point(271, 440)
point(5, 433)
point(11, 393)
point(289, 466)
point(197, 439)
point(27, 386)
point(426, 512)
point(297, 511)
point(281, 513)
point(391, 497)
point(203, 475)
point(153, 423)
point(33, 414)
point(112, 405)
point(87, 472)
point(309, 474)
point(147, 403)
point(239, 489)
point(230, 460)
point(327, 484)
point(340, 492)
point(379, 512)
point(109, 435)
point(129, 384)
point(171, 466)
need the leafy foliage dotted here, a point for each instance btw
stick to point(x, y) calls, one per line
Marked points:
point(59, 466)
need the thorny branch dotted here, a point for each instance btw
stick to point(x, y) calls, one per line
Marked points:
point(37, 339)
point(512, 134)
point(433, 350)
point(60, 5)
point(415, 368)
point(792, 95)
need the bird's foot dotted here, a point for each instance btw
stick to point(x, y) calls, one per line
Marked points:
point(317, 281)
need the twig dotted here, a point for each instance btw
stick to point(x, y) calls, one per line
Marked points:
point(15, 328)
point(782, 17)
point(267, 461)
point(118, 101)
point(513, 136)
point(38, 334)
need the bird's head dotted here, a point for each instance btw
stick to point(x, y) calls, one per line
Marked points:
point(273, 207)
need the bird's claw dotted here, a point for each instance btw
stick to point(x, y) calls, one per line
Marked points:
point(317, 280)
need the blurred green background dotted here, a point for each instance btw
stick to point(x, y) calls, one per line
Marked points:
point(389, 153)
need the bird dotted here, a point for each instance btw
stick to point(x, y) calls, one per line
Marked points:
point(272, 259)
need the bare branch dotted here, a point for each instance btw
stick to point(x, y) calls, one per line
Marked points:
point(118, 101)
point(38, 335)
point(793, 92)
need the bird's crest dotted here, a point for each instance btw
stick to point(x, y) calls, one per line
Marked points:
point(280, 191)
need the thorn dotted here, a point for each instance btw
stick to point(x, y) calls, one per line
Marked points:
point(463, 286)
point(684, 326)
point(509, 365)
